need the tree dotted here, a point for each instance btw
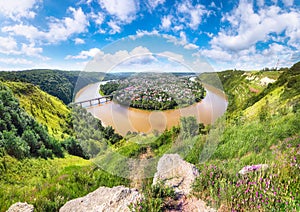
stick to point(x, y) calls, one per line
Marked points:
point(74, 148)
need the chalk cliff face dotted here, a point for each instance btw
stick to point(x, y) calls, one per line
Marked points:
point(176, 173)
point(103, 199)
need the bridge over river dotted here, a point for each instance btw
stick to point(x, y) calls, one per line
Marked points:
point(98, 100)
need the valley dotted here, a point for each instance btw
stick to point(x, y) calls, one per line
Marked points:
point(74, 153)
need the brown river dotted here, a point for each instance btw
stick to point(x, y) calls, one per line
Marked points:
point(124, 119)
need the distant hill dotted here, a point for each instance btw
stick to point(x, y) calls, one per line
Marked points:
point(62, 84)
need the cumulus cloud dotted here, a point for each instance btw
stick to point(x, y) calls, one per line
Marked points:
point(59, 29)
point(190, 14)
point(124, 10)
point(166, 22)
point(172, 56)
point(15, 61)
point(32, 51)
point(141, 33)
point(86, 54)
point(154, 3)
point(247, 27)
point(79, 41)
point(98, 18)
point(288, 2)
point(181, 41)
point(16, 10)
point(115, 28)
point(8, 45)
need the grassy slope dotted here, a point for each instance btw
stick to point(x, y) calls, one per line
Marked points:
point(252, 130)
point(260, 127)
point(46, 109)
point(48, 184)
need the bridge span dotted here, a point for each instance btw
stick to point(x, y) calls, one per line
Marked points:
point(91, 102)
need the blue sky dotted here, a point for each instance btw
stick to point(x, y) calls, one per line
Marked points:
point(228, 34)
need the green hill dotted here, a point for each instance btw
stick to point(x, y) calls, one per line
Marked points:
point(46, 109)
point(62, 84)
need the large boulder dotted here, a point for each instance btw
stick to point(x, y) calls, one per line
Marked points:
point(21, 207)
point(103, 199)
point(176, 173)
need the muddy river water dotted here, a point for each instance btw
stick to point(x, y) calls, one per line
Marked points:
point(124, 119)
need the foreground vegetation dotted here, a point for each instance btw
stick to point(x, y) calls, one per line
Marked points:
point(48, 184)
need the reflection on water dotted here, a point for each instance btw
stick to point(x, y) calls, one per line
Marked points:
point(124, 119)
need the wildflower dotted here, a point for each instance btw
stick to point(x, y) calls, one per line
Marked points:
point(275, 193)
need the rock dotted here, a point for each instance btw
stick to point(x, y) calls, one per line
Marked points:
point(103, 199)
point(253, 168)
point(21, 207)
point(176, 173)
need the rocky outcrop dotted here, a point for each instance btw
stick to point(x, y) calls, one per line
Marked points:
point(21, 207)
point(103, 199)
point(176, 173)
point(253, 168)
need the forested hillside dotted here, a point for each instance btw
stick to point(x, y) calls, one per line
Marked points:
point(20, 135)
point(49, 111)
point(62, 84)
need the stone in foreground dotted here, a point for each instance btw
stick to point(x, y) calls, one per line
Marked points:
point(21, 207)
point(176, 173)
point(103, 199)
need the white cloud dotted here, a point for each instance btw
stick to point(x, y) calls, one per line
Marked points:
point(79, 41)
point(182, 40)
point(141, 33)
point(124, 10)
point(139, 57)
point(86, 54)
point(248, 59)
point(15, 61)
point(114, 27)
point(260, 3)
point(15, 9)
point(288, 2)
point(191, 46)
point(8, 45)
point(32, 51)
point(247, 27)
point(173, 56)
point(29, 32)
point(154, 3)
point(97, 18)
point(59, 30)
point(166, 22)
point(191, 14)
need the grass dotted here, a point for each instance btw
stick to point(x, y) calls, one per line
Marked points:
point(48, 184)
point(46, 109)
point(276, 189)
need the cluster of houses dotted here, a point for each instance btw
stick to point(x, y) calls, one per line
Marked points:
point(158, 91)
